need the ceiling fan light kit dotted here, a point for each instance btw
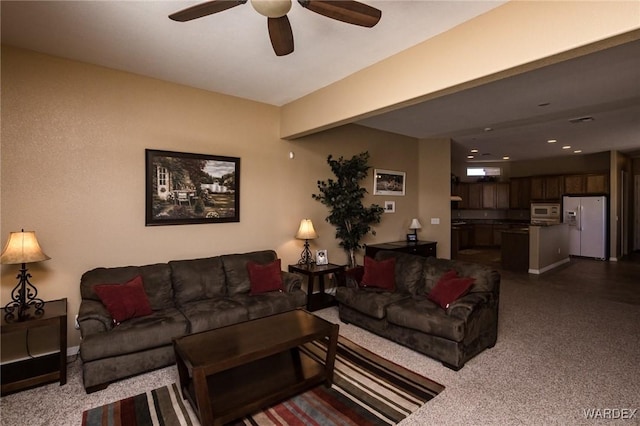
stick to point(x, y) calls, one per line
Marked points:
point(272, 8)
point(280, 33)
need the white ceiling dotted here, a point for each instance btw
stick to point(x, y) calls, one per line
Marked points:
point(230, 53)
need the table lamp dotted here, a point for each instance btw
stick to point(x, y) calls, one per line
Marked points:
point(22, 248)
point(415, 225)
point(306, 233)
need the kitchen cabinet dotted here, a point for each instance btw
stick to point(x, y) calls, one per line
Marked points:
point(520, 193)
point(483, 235)
point(515, 250)
point(497, 234)
point(462, 190)
point(584, 184)
point(546, 188)
point(489, 195)
point(597, 184)
point(502, 195)
point(475, 196)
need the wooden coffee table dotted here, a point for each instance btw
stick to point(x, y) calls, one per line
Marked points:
point(236, 370)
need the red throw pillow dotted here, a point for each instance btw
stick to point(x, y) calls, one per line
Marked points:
point(379, 274)
point(265, 278)
point(446, 291)
point(124, 301)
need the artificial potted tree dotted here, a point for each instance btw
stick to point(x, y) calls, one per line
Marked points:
point(343, 197)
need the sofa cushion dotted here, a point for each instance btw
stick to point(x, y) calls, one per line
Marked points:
point(213, 313)
point(369, 302)
point(156, 280)
point(197, 279)
point(135, 335)
point(265, 278)
point(124, 301)
point(420, 313)
point(449, 288)
point(485, 278)
point(409, 271)
point(235, 269)
point(274, 302)
point(379, 274)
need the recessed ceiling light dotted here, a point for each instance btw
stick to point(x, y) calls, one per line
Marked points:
point(544, 104)
point(577, 151)
point(552, 141)
point(581, 119)
point(566, 147)
point(474, 150)
point(506, 157)
point(470, 156)
point(488, 129)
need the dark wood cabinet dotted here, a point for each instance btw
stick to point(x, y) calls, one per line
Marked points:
point(461, 190)
point(483, 235)
point(546, 188)
point(597, 184)
point(502, 195)
point(419, 248)
point(36, 363)
point(520, 193)
point(475, 196)
point(488, 195)
point(584, 184)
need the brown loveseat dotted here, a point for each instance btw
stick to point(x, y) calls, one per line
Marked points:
point(186, 296)
point(453, 335)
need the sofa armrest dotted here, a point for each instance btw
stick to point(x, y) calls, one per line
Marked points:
point(464, 306)
point(93, 317)
point(291, 281)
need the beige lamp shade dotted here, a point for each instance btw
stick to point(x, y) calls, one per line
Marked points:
point(306, 231)
point(22, 247)
point(415, 224)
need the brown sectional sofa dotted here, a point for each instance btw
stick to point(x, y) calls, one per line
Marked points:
point(406, 316)
point(186, 296)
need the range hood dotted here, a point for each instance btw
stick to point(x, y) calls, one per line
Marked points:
point(456, 198)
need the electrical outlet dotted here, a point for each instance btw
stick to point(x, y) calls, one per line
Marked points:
point(76, 324)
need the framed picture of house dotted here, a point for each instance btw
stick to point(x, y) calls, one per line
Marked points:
point(388, 182)
point(184, 188)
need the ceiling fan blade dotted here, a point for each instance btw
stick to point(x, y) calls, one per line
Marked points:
point(204, 9)
point(281, 35)
point(349, 11)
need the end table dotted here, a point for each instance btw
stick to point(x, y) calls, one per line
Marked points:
point(40, 365)
point(321, 299)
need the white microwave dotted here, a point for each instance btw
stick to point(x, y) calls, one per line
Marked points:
point(545, 212)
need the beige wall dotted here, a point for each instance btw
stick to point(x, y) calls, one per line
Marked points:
point(435, 193)
point(73, 141)
point(517, 36)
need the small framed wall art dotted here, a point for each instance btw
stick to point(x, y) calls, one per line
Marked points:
point(388, 182)
point(183, 188)
point(389, 206)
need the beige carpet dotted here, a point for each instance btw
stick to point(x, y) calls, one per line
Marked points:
point(558, 353)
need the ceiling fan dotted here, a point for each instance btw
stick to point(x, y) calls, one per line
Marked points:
point(349, 11)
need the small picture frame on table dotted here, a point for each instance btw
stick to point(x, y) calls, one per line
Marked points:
point(412, 238)
point(321, 257)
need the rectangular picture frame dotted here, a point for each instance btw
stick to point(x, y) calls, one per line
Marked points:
point(321, 257)
point(185, 188)
point(389, 206)
point(388, 182)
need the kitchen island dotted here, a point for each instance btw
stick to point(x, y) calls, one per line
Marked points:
point(548, 247)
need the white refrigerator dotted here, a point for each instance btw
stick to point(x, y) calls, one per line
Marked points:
point(587, 220)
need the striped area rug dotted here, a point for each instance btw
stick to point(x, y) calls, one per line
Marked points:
point(367, 390)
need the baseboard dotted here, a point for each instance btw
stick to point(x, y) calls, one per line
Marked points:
point(549, 267)
point(73, 350)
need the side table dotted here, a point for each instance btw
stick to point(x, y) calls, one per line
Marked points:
point(35, 363)
point(321, 299)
